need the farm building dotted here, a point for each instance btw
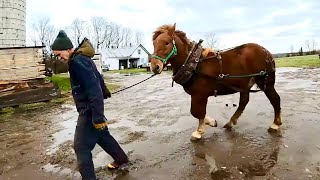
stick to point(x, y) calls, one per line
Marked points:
point(98, 62)
point(124, 58)
point(22, 78)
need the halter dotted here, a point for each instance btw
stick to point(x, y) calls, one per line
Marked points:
point(174, 51)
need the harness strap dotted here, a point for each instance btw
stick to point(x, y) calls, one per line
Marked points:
point(261, 73)
point(222, 76)
point(220, 62)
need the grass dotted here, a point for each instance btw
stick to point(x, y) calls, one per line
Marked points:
point(298, 61)
point(112, 87)
point(6, 113)
point(129, 71)
point(62, 81)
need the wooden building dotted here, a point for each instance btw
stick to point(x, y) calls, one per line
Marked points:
point(22, 78)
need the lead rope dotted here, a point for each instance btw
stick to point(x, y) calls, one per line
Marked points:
point(133, 84)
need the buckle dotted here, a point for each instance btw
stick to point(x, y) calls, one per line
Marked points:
point(221, 76)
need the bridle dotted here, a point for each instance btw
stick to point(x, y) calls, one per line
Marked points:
point(174, 51)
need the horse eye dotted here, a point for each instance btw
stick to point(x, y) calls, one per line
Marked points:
point(167, 43)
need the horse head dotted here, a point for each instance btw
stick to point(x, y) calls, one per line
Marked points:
point(170, 46)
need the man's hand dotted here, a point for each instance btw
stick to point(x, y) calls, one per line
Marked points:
point(108, 94)
point(101, 126)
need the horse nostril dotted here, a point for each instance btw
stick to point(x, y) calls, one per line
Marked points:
point(157, 68)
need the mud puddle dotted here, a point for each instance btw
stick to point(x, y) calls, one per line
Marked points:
point(152, 123)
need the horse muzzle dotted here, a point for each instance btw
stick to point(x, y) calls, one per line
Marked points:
point(157, 67)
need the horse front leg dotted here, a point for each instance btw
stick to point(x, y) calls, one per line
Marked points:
point(198, 110)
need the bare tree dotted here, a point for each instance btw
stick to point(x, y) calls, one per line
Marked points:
point(40, 26)
point(88, 31)
point(291, 49)
point(314, 45)
point(127, 37)
point(50, 35)
point(33, 37)
point(139, 37)
point(108, 34)
point(116, 37)
point(308, 45)
point(77, 30)
point(210, 38)
point(44, 32)
point(99, 24)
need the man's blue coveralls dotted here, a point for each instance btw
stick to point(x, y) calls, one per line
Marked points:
point(89, 91)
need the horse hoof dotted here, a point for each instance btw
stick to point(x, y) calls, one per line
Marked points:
point(273, 128)
point(195, 136)
point(228, 126)
point(193, 139)
point(213, 123)
point(210, 121)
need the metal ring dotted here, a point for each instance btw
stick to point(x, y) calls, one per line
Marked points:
point(262, 73)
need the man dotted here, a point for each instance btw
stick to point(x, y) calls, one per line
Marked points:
point(89, 91)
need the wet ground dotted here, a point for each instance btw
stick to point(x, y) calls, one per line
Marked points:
point(153, 124)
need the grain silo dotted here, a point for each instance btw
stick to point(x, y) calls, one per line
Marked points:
point(12, 23)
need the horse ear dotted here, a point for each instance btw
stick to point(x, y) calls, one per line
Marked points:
point(174, 26)
point(172, 29)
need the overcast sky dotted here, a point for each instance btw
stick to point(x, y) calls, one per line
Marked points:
point(274, 24)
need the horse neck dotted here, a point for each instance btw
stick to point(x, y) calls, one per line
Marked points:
point(182, 53)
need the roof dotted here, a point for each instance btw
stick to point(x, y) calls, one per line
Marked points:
point(123, 52)
point(23, 47)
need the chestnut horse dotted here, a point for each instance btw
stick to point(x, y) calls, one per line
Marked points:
point(217, 73)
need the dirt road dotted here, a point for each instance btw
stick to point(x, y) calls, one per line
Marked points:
point(153, 124)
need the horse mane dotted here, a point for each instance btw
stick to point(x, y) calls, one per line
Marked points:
point(165, 28)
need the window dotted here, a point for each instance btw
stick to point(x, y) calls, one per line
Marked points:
point(139, 51)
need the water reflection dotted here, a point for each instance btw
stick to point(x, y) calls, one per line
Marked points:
point(234, 155)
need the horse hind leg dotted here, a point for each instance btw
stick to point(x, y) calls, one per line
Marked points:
point(244, 99)
point(267, 85)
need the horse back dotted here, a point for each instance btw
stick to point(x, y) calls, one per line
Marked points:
point(247, 58)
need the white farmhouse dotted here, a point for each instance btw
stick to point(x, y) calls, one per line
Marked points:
point(98, 62)
point(125, 57)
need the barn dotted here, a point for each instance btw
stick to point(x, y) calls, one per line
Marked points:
point(124, 58)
